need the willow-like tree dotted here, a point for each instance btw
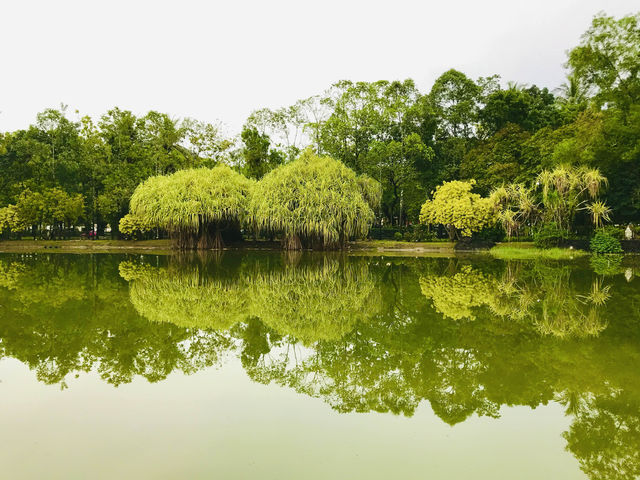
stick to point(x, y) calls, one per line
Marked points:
point(194, 205)
point(315, 202)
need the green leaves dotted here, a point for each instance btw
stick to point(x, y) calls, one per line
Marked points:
point(50, 207)
point(565, 190)
point(608, 59)
point(316, 198)
point(190, 198)
point(455, 207)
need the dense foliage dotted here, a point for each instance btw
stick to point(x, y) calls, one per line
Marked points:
point(550, 235)
point(459, 210)
point(194, 205)
point(134, 227)
point(603, 242)
point(410, 141)
point(313, 201)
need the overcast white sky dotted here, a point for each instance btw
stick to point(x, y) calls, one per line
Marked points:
point(221, 60)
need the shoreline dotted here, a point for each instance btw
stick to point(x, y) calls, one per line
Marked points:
point(524, 250)
point(164, 246)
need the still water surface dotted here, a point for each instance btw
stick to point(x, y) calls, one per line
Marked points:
point(272, 366)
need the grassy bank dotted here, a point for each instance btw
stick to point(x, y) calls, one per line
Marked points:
point(107, 246)
point(78, 246)
point(526, 251)
point(394, 246)
point(505, 251)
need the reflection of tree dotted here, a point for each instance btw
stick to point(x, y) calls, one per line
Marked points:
point(313, 301)
point(187, 298)
point(605, 437)
point(543, 296)
point(606, 264)
point(455, 295)
point(408, 352)
point(355, 332)
point(70, 314)
point(10, 273)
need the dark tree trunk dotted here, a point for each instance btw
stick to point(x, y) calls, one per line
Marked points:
point(291, 242)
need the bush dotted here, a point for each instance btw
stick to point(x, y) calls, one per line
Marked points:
point(603, 242)
point(550, 236)
point(421, 233)
point(134, 227)
point(397, 236)
point(615, 232)
point(384, 233)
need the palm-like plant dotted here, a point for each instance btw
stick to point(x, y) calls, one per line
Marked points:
point(599, 212)
point(516, 205)
point(566, 189)
point(572, 92)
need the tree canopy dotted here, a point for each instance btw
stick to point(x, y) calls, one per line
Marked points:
point(459, 210)
point(409, 140)
point(195, 205)
point(313, 201)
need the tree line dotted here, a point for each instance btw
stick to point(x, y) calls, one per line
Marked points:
point(410, 141)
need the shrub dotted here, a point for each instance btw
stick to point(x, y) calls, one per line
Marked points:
point(134, 227)
point(603, 242)
point(494, 233)
point(421, 233)
point(397, 236)
point(615, 232)
point(549, 236)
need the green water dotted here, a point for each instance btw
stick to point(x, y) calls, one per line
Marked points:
point(272, 366)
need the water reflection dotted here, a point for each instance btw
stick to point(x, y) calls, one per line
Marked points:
point(542, 296)
point(467, 336)
point(63, 315)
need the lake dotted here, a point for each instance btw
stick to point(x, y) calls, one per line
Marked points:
point(275, 366)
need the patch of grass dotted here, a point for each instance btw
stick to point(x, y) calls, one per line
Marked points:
point(78, 246)
point(527, 252)
point(390, 245)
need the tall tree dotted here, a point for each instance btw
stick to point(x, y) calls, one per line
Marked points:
point(607, 60)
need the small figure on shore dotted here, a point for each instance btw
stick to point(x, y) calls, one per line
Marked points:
point(628, 233)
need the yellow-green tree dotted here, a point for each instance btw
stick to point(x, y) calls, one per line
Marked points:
point(10, 220)
point(459, 210)
point(314, 201)
point(133, 226)
point(53, 208)
point(194, 205)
